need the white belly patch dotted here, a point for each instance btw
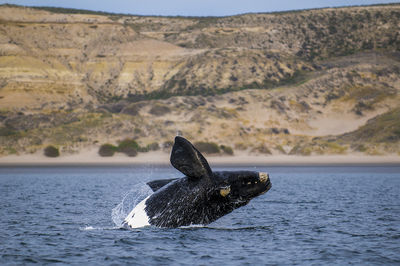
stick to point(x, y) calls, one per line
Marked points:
point(138, 216)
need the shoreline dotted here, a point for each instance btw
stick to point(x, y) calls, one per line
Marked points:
point(91, 158)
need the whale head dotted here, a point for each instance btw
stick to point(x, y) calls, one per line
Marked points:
point(239, 187)
point(202, 195)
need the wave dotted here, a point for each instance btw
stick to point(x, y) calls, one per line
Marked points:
point(91, 228)
point(218, 228)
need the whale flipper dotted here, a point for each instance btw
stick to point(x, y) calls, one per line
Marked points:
point(188, 160)
point(157, 184)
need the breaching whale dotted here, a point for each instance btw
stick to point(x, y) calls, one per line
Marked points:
point(200, 197)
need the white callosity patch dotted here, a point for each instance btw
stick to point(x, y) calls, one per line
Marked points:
point(263, 177)
point(138, 216)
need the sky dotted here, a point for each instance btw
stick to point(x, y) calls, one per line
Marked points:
point(192, 7)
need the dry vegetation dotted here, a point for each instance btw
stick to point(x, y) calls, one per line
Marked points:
point(309, 82)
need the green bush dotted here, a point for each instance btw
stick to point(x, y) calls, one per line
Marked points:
point(226, 149)
point(51, 151)
point(107, 150)
point(129, 146)
point(207, 147)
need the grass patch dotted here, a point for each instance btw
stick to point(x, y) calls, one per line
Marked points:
point(280, 149)
point(11, 150)
point(360, 148)
point(298, 78)
point(333, 148)
point(241, 146)
point(301, 150)
point(383, 128)
point(262, 149)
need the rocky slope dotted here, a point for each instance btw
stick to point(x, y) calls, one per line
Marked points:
point(321, 81)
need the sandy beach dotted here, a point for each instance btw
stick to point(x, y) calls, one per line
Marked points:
point(90, 157)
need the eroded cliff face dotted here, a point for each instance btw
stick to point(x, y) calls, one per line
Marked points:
point(297, 82)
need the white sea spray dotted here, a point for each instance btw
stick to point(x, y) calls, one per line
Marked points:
point(129, 202)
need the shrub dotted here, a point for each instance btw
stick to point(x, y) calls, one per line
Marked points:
point(129, 147)
point(207, 147)
point(226, 149)
point(107, 150)
point(153, 146)
point(51, 151)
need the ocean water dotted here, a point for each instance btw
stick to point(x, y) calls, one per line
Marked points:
point(311, 215)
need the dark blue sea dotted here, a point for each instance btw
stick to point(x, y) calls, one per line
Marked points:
point(311, 215)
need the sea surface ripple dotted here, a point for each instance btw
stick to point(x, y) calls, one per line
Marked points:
point(312, 215)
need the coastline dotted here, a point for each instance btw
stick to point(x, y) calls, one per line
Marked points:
point(91, 158)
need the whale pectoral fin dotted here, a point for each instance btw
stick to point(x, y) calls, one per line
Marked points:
point(188, 160)
point(157, 184)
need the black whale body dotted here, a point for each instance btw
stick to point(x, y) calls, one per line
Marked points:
point(202, 196)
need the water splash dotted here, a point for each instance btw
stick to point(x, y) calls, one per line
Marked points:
point(87, 228)
point(132, 198)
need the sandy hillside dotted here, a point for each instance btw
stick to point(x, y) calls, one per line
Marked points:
point(280, 84)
